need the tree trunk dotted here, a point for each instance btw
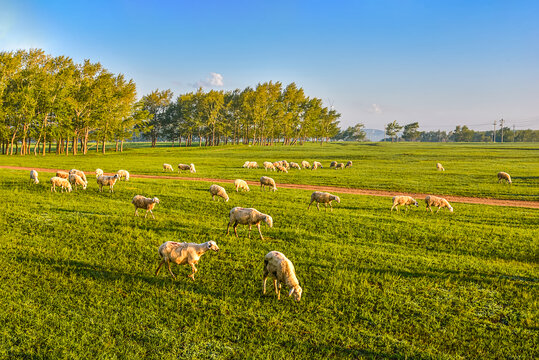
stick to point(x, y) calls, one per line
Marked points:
point(67, 146)
point(116, 145)
point(86, 133)
point(75, 144)
point(122, 146)
point(104, 145)
point(50, 146)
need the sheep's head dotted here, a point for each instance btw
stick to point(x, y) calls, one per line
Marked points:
point(297, 291)
point(36, 181)
point(212, 245)
point(83, 185)
point(245, 164)
point(269, 220)
point(336, 198)
point(450, 208)
point(155, 200)
point(415, 202)
point(116, 176)
point(192, 166)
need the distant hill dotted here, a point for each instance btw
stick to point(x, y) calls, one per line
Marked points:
point(375, 134)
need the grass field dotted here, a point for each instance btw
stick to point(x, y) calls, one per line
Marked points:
point(470, 168)
point(78, 279)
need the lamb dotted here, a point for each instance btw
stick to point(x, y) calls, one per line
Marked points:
point(241, 184)
point(216, 190)
point(324, 198)
point(109, 181)
point(79, 173)
point(33, 177)
point(60, 182)
point(305, 164)
point(183, 253)
point(282, 270)
point(316, 165)
point(145, 203)
point(294, 165)
point(504, 176)
point(339, 166)
point(191, 167)
point(267, 181)
point(348, 164)
point(98, 173)
point(439, 167)
point(167, 167)
point(281, 168)
point(248, 216)
point(76, 180)
point(123, 174)
point(269, 165)
point(62, 174)
point(333, 163)
point(403, 200)
point(432, 200)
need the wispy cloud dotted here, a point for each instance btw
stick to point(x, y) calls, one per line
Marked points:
point(375, 109)
point(215, 80)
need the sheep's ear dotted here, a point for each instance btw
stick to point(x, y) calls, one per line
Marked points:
point(291, 292)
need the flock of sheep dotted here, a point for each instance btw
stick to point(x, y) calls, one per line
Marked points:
point(276, 264)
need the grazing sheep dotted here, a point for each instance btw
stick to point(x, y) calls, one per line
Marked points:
point(305, 164)
point(60, 182)
point(79, 173)
point(333, 163)
point(98, 173)
point(33, 177)
point(241, 184)
point(282, 270)
point(183, 253)
point(294, 165)
point(281, 168)
point(267, 181)
point(248, 216)
point(145, 203)
point(123, 174)
point(504, 176)
point(191, 167)
point(62, 174)
point(339, 166)
point(403, 200)
point(167, 167)
point(216, 190)
point(268, 165)
point(285, 164)
point(348, 164)
point(432, 200)
point(250, 165)
point(316, 165)
point(76, 180)
point(109, 181)
point(439, 167)
point(324, 198)
point(245, 164)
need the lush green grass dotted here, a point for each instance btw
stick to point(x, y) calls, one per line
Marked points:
point(77, 279)
point(470, 168)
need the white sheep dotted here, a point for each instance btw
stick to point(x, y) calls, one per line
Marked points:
point(60, 182)
point(282, 270)
point(62, 174)
point(439, 167)
point(183, 253)
point(339, 166)
point(167, 167)
point(109, 181)
point(76, 181)
point(333, 163)
point(432, 200)
point(504, 176)
point(251, 165)
point(305, 164)
point(245, 164)
point(79, 173)
point(281, 168)
point(98, 173)
point(123, 174)
point(144, 203)
point(190, 167)
point(285, 164)
point(316, 165)
point(348, 164)
point(268, 165)
point(403, 200)
point(294, 165)
point(34, 177)
point(248, 216)
point(216, 190)
point(241, 184)
point(267, 181)
point(324, 198)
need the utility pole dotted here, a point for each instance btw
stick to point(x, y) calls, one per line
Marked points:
point(501, 127)
point(494, 132)
point(514, 133)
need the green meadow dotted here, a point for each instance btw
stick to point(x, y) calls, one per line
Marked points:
point(78, 268)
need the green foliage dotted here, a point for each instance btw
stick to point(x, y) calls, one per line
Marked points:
point(392, 129)
point(410, 132)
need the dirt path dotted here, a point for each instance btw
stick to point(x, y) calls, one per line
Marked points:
point(451, 198)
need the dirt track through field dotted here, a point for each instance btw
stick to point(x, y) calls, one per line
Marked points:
point(450, 198)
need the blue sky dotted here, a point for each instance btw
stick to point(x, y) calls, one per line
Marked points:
point(441, 63)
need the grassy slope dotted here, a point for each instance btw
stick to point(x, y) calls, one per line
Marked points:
point(470, 168)
point(79, 281)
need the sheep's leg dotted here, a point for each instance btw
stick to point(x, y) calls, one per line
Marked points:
point(308, 207)
point(330, 206)
point(136, 211)
point(146, 214)
point(264, 280)
point(170, 270)
point(260, 232)
point(192, 276)
point(326, 206)
point(275, 286)
point(392, 207)
point(318, 205)
point(151, 212)
point(159, 267)
point(250, 228)
point(228, 228)
point(438, 210)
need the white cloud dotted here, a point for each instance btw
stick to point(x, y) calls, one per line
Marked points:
point(215, 80)
point(375, 109)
